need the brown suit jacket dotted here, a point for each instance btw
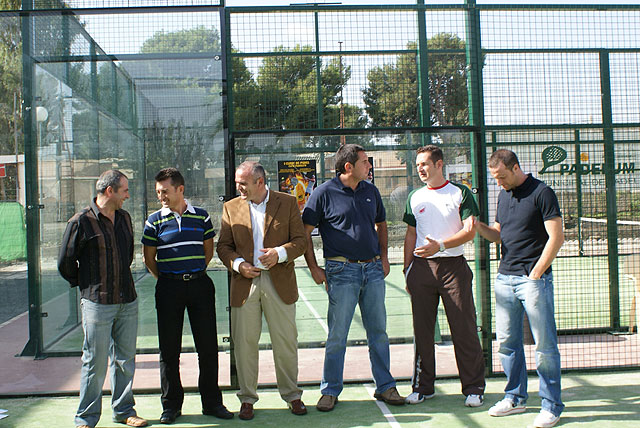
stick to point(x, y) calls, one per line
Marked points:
point(283, 227)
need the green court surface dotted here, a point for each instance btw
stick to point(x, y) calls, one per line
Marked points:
point(581, 293)
point(594, 400)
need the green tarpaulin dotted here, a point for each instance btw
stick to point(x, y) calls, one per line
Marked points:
point(13, 234)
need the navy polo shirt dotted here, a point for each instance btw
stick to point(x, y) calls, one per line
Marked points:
point(346, 218)
point(178, 239)
point(521, 214)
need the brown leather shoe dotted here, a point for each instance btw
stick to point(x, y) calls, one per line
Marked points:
point(297, 407)
point(390, 396)
point(246, 411)
point(135, 421)
point(326, 403)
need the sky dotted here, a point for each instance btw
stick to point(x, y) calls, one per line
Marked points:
point(526, 91)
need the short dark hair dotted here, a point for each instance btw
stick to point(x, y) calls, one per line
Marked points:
point(507, 157)
point(255, 168)
point(172, 173)
point(347, 153)
point(110, 178)
point(435, 152)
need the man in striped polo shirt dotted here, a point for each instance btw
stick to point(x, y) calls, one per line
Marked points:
point(439, 219)
point(178, 245)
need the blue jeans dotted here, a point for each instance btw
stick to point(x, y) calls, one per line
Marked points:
point(110, 331)
point(514, 296)
point(350, 284)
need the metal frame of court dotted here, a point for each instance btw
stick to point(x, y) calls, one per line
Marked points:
point(563, 95)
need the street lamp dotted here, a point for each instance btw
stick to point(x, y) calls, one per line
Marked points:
point(41, 114)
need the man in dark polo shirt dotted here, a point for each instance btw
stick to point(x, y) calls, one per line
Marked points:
point(96, 255)
point(529, 227)
point(178, 246)
point(349, 213)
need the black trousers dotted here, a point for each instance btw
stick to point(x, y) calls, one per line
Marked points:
point(198, 298)
point(449, 279)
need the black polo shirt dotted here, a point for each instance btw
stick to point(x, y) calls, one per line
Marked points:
point(346, 218)
point(521, 214)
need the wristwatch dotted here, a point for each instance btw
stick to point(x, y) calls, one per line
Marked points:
point(442, 247)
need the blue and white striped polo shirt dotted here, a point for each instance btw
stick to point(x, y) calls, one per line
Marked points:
point(178, 238)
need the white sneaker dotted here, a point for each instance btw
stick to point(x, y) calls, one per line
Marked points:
point(474, 400)
point(545, 419)
point(506, 407)
point(417, 397)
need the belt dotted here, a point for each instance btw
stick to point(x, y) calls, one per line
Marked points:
point(346, 260)
point(183, 276)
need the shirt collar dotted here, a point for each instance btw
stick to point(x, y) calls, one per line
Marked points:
point(345, 187)
point(166, 211)
point(266, 199)
point(524, 186)
point(96, 210)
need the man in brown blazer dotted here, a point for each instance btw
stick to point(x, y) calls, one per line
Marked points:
point(260, 237)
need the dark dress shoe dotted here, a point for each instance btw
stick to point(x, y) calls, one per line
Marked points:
point(169, 416)
point(246, 411)
point(297, 407)
point(220, 412)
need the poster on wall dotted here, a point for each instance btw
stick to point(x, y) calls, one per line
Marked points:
point(297, 178)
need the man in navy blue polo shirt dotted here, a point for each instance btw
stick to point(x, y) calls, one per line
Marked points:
point(529, 227)
point(178, 246)
point(349, 213)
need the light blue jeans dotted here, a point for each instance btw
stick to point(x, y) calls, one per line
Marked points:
point(514, 296)
point(351, 284)
point(110, 331)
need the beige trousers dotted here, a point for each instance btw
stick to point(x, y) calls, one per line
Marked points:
point(246, 326)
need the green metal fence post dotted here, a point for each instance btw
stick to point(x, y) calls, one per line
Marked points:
point(229, 152)
point(610, 186)
point(479, 168)
point(32, 213)
point(424, 111)
point(319, 108)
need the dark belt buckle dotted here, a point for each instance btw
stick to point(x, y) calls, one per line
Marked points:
point(186, 277)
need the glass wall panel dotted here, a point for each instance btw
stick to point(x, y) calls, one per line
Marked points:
point(77, 141)
point(160, 107)
point(12, 182)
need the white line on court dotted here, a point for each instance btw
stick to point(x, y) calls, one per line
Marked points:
point(314, 312)
point(383, 407)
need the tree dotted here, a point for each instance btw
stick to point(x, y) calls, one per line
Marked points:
point(287, 93)
point(10, 88)
point(192, 40)
point(391, 97)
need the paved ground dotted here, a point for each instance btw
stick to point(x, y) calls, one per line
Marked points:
point(13, 289)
